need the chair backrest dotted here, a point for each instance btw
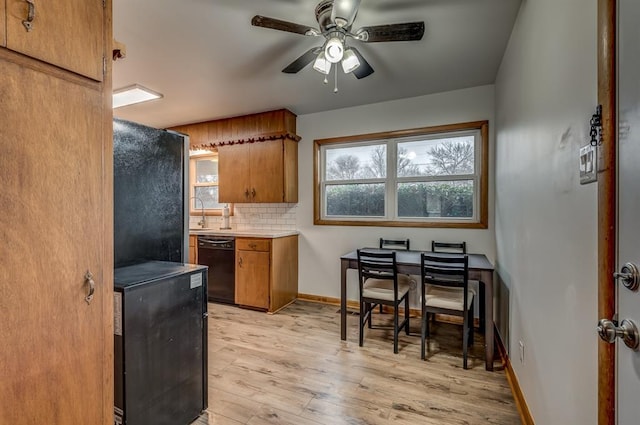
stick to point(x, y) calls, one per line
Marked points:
point(455, 247)
point(394, 244)
point(377, 265)
point(441, 270)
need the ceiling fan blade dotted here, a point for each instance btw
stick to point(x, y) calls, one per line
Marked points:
point(409, 31)
point(344, 12)
point(277, 24)
point(302, 61)
point(364, 70)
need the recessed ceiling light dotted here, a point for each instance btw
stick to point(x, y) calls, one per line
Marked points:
point(133, 94)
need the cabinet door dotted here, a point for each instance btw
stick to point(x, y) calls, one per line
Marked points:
point(233, 173)
point(267, 172)
point(193, 250)
point(65, 33)
point(57, 356)
point(252, 279)
point(3, 23)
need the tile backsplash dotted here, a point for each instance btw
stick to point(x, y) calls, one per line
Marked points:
point(255, 217)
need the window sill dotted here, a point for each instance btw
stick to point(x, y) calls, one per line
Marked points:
point(423, 224)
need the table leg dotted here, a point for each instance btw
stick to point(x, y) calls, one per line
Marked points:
point(487, 281)
point(344, 265)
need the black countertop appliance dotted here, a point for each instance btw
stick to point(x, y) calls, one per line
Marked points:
point(160, 327)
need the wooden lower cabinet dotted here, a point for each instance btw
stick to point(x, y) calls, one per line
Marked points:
point(266, 272)
point(193, 249)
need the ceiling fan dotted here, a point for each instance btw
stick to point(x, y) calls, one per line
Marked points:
point(335, 21)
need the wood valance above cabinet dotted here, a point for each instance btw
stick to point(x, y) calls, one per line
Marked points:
point(264, 126)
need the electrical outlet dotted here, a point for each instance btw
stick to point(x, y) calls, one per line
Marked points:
point(521, 351)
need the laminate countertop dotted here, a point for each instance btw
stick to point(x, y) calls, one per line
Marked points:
point(271, 234)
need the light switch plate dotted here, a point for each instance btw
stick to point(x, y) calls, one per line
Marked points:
point(588, 164)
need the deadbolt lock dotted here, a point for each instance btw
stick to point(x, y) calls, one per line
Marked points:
point(629, 276)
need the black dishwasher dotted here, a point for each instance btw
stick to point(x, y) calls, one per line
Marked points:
point(218, 253)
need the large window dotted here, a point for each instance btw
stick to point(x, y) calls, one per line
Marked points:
point(204, 185)
point(428, 177)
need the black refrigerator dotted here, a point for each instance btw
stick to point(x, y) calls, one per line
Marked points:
point(151, 204)
point(160, 303)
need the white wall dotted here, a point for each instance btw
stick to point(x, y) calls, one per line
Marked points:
point(322, 246)
point(546, 222)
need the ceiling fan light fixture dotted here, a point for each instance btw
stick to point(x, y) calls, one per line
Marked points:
point(334, 50)
point(350, 61)
point(321, 64)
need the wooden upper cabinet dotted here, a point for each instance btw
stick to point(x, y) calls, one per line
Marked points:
point(260, 172)
point(257, 155)
point(267, 172)
point(65, 33)
point(234, 179)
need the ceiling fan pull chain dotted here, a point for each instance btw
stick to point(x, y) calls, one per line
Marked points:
point(335, 89)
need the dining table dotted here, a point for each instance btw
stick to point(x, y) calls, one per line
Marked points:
point(408, 262)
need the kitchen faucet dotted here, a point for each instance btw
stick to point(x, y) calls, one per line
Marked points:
point(202, 223)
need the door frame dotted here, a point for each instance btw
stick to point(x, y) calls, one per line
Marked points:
point(607, 202)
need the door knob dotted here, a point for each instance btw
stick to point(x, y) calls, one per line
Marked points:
point(629, 276)
point(627, 330)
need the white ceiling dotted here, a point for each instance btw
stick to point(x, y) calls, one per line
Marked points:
point(210, 63)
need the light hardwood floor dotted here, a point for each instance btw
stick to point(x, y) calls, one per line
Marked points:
point(292, 368)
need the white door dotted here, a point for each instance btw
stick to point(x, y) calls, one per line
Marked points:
point(628, 301)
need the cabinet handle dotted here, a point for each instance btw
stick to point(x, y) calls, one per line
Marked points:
point(88, 278)
point(240, 261)
point(253, 246)
point(246, 193)
point(28, 23)
point(253, 193)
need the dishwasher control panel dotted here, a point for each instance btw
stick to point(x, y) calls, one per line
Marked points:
point(212, 242)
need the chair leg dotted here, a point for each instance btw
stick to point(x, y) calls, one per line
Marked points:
point(481, 308)
point(370, 308)
point(406, 313)
point(381, 309)
point(362, 318)
point(471, 330)
point(423, 333)
point(424, 320)
point(465, 338)
point(395, 330)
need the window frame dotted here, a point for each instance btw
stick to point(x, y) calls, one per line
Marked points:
point(193, 184)
point(481, 186)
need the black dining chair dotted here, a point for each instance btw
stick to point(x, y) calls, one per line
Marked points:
point(445, 290)
point(380, 284)
point(394, 244)
point(400, 244)
point(461, 248)
point(456, 247)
